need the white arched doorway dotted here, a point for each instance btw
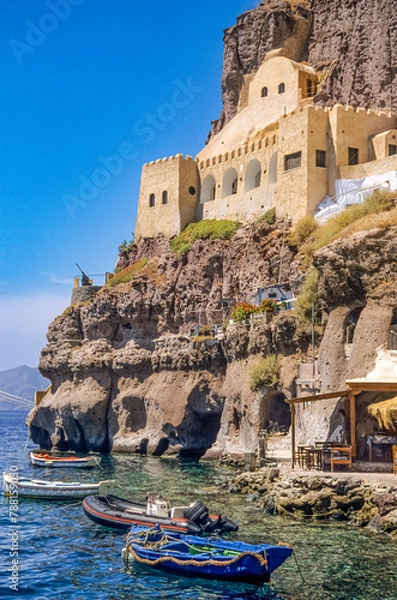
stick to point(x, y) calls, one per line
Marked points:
point(208, 189)
point(273, 168)
point(229, 185)
point(253, 175)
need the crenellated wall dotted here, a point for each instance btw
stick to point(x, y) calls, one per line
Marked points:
point(280, 151)
point(168, 196)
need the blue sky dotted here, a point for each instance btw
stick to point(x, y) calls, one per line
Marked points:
point(92, 89)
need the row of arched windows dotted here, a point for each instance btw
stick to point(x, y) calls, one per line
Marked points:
point(230, 182)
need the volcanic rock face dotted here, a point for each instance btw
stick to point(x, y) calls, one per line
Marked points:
point(354, 41)
point(126, 375)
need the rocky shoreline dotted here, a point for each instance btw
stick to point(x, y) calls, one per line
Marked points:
point(358, 499)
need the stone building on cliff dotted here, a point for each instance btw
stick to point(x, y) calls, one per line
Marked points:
point(281, 150)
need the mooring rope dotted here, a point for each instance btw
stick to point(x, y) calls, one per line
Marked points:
point(165, 539)
point(298, 567)
point(196, 563)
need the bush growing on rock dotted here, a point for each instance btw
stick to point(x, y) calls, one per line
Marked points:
point(302, 230)
point(356, 215)
point(125, 275)
point(265, 373)
point(203, 230)
point(308, 297)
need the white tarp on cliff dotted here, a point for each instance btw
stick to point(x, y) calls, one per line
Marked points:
point(354, 191)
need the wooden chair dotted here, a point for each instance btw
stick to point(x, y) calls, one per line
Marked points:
point(341, 455)
point(394, 455)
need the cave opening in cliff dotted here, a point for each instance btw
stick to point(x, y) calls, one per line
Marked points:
point(202, 436)
point(275, 414)
point(350, 324)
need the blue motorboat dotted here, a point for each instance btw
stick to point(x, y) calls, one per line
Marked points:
point(191, 555)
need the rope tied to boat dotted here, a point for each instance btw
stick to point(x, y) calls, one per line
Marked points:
point(295, 558)
point(196, 563)
point(157, 544)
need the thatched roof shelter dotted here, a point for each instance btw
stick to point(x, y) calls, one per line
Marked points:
point(386, 413)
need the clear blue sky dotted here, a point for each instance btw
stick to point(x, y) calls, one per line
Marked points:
point(92, 89)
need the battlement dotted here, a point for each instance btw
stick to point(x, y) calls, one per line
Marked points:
point(251, 148)
point(274, 154)
point(167, 159)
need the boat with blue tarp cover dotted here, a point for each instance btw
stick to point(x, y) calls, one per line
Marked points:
point(204, 557)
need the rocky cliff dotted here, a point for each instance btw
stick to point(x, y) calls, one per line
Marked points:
point(127, 374)
point(353, 41)
point(127, 370)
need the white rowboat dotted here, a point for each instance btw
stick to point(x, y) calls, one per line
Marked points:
point(15, 486)
point(49, 460)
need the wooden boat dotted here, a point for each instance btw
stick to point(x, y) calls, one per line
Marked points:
point(48, 460)
point(51, 490)
point(204, 557)
point(118, 513)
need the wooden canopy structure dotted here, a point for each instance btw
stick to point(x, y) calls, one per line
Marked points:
point(353, 389)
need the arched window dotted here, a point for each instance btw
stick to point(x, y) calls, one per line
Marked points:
point(229, 185)
point(208, 189)
point(152, 200)
point(273, 168)
point(281, 88)
point(253, 175)
point(264, 92)
point(165, 197)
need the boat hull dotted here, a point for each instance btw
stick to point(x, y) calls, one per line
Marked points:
point(51, 490)
point(65, 462)
point(200, 557)
point(117, 513)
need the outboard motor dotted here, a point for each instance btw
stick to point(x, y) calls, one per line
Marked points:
point(198, 513)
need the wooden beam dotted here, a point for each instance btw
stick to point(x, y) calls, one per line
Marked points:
point(292, 411)
point(360, 385)
point(317, 397)
point(352, 412)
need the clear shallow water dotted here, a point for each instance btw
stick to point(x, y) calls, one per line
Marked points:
point(64, 555)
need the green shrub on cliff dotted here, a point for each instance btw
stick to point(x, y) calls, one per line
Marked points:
point(265, 373)
point(125, 247)
point(125, 275)
point(302, 230)
point(203, 230)
point(308, 297)
point(269, 217)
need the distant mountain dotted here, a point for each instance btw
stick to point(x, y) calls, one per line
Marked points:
point(22, 381)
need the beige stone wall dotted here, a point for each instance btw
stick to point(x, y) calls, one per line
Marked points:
point(175, 176)
point(376, 167)
point(382, 141)
point(257, 112)
point(354, 128)
point(250, 201)
point(244, 170)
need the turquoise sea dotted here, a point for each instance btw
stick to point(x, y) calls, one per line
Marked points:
point(63, 555)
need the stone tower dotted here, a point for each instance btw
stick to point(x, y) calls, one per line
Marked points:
point(168, 196)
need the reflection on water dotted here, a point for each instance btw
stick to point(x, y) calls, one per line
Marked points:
point(64, 555)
